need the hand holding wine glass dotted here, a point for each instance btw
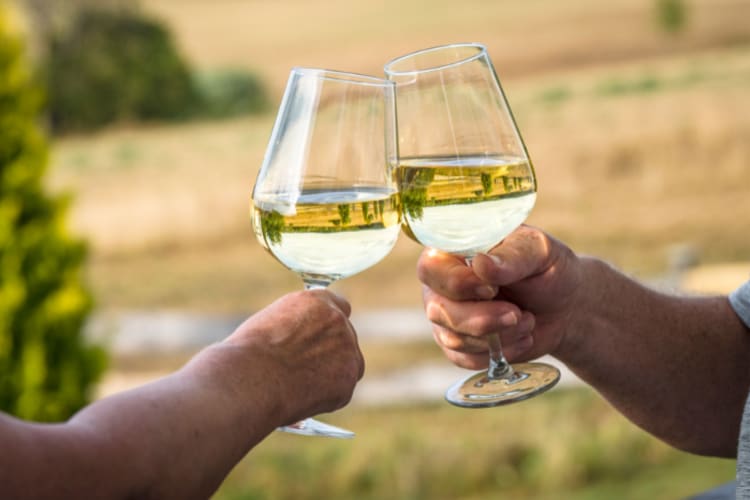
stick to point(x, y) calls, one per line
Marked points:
point(466, 182)
point(325, 203)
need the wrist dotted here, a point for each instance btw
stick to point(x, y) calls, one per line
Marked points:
point(586, 316)
point(243, 382)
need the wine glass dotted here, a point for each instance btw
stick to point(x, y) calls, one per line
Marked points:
point(325, 203)
point(466, 182)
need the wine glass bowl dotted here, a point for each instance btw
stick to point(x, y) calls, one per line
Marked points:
point(329, 233)
point(325, 203)
point(465, 205)
point(466, 182)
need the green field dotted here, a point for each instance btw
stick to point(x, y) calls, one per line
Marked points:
point(640, 143)
point(565, 445)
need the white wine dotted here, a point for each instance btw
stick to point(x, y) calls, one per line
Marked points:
point(466, 205)
point(329, 234)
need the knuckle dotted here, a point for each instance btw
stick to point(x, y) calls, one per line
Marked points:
point(434, 312)
point(450, 340)
point(422, 270)
point(538, 239)
point(333, 319)
point(362, 366)
point(481, 324)
point(455, 283)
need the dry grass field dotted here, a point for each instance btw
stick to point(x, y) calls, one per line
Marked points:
point(639, 139)
point(524, 37)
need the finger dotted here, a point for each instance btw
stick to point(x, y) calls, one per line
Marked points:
point(468, 361)
point(468, 344)
point(335, 300)
point(480, 360)
point(476, 318)
point(360, 357)
point(454, 341)
point(525, 252)
point(517, 349)
point(449, 276)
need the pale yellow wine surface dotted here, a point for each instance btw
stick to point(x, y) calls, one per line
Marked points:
point(328, 233)
point(466, 205)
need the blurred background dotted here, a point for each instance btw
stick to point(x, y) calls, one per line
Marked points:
point(636, 114)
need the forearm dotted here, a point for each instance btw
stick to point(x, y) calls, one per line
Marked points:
point(175, 438)
point(178, 437)
point(676, 366)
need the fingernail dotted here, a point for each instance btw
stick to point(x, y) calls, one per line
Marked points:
point(497, 260)
point(486, 291)
point(509, 319)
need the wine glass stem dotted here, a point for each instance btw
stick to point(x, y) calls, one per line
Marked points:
point(315, 283)
point(499, 367)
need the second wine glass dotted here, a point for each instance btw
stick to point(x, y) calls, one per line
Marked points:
point(325, 203)
point(466, 182)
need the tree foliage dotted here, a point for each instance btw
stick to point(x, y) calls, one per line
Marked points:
point(109, 62)
point(115, 66)
point(46, 368)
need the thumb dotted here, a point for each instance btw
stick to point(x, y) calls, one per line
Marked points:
point(335, 300)
point(524, 253)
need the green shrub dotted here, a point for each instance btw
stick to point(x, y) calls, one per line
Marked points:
point(230, 93)
point(671, 15)
point(112, 66)
point(116, 65)
point(46, 368)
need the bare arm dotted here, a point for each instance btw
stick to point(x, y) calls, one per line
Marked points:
point(179, 436)
point(679, 367)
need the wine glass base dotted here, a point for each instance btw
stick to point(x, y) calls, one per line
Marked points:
point(312, 427)
point(528, 380)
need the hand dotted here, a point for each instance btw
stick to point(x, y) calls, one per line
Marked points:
point(525, 289)
point(310, 350)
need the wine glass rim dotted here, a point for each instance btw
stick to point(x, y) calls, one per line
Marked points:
point(343, 76)
point(481, 50)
